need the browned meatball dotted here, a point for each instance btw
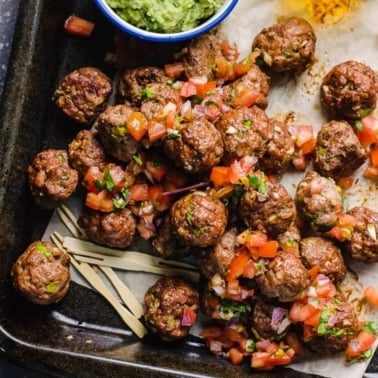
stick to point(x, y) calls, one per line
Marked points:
point(51, 180)
point(199, 56)
point(269, 320)
point(86, 151)
point(112, 129)
point(280, 149)
point(115, 229)
point(133, 82)
point(197, 147)
point(83, 93)
point(245, 132)
point(324, 254)
point(170, 307)
point(42, 273)
point(318, 201)
point(287, 45)
point(156, 96)
point(338, 150)
point(363, 244)
point(339, 324)
point(285, 278)
point(168, 244)
point(218, 258)
point(199, 219)
point(349, 90)
point(267, 207)
point(255, 80)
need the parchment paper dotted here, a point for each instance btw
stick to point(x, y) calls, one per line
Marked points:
point(355, 37)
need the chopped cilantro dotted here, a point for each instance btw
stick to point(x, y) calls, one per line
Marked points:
point(147, 93)
point(109, 182)
point(44, 250)
point(258, 182)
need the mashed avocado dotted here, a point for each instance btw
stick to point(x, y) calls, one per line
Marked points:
point(165, 16)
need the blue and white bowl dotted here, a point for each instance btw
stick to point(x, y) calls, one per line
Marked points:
point(126, 27)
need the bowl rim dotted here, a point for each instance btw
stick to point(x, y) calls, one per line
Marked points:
point(126, 27)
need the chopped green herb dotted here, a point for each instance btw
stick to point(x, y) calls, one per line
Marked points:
point(138, 159)
point(247, 123)
point(52, 287)
point(358, 125)
point(147, 93)
point(258, 182)
point(44, 250)
point(109, 182)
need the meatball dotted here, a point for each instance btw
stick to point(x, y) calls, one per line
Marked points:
point(363, 245)
point(256, 80)
point(324, 254)
point(280, 149)
point(285, 278)
point(218, 258)
point(51, 180)
point(115, 229)
point(339, 325)
point(199, 56)
point(197, 147)
point(318, 201)
point(168, 244)
point(267, 207)
point(132, 85)
point(42, 273)
point(288, 45)
point(83, 93)
point(199, 219)
point(338, 151)
point(112, 129)
point(349, 90)
point(269, 320)
point(86, 151)
point(155, 98)
point(170, 307)
point(245, 132)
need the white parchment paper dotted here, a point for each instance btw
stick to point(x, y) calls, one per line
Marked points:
point(355, 37)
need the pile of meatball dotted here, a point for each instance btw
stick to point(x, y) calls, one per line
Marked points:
point(202, 224)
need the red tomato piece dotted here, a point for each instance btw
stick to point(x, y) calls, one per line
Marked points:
point(238, 264)
point(93, 180)
point(368, 133)
point(219, 176)
point(371, 295)
point(78, 26)
point(245, 97)
point(102, 201)
point(139, 192)
point(156, 130)
point(360, 344)
point(136, 125)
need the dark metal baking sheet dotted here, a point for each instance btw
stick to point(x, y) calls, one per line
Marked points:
point(81, 336)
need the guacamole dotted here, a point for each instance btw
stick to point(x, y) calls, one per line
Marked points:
point(165, 16)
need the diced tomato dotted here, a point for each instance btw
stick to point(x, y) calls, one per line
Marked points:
point(242, 67)
point(252, 239)
point(368, 131)
point(139, 192)
point(219, 176)
point(313, 271)
point(302, 134)
point(204, 89)
point(249, 270)
point(326, 290)
point(174, 70)
point(259, 359)
point(371, 173)
point(78, 26)
point(299, 312)
point(235, 356)
point(308, 147)
point(360, 344)
point(268, 250)
point(224, 69)
point(314, 319)
point(374, 156)
point(245, 97)
point(188, 89)
point(345, 182)
point(343, 229)
point(239, 169)
point(159, 201)
point(136, 125)
point(156, 130)
point(371, 295)
point(238, 264)
point(102, 201)
point(93, 180)
point(156, 168)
